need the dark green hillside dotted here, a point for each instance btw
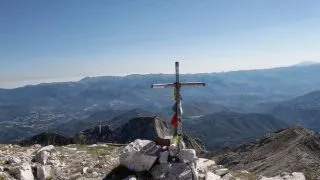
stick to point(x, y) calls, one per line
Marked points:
point(45, 139)
point(230, 128)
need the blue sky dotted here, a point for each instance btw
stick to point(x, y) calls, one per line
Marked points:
point(43, 41)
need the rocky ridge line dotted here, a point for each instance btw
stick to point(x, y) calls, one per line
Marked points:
point(289, 150)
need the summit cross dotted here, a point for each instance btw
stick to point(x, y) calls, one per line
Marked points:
point(177, 96)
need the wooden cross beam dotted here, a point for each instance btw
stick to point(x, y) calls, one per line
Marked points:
point(177, 87)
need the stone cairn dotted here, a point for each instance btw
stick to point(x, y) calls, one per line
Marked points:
point(162, 163)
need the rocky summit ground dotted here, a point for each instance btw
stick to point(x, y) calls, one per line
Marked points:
point(292, 149)
point(290, 154)
point(139, 160)
point(64, 162)
point(144, 160)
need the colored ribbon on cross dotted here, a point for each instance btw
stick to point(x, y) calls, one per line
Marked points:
point(175, 120)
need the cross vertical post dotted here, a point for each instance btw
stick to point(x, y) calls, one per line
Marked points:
point(177, 97)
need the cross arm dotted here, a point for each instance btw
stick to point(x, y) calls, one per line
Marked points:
point(166, 85)
point(193, 84)
point(188, 84)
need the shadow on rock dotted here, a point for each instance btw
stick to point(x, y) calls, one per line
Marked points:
point(122, 172)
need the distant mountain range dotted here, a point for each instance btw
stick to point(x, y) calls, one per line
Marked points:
point(73, 106)
point(307, 63)
point(99, 93)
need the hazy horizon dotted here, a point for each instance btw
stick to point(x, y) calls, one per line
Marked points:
point(44, 41)
point(17, 84)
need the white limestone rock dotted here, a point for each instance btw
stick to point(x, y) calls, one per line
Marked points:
point(172, 171)
point(142, 146)
point(184, 155)
point(204, 165)
point(92, 145)
point(221, 172)
point(75, 176)
point(42, 157)
point(13, 160)
point(187, 155)
point(163, 157)
point(298, 176)
point(130, 178)
point(228, 176)
point(43, 154)
point(25, 172)
point(245, 172)
point(71, 149)
point(43, 172)
point(49, 148)
point(37, 146)
point(285, 176)
point(54, 162)
point(139, 155)
point(138, 162)
point(201, 176)
point(212, 176)
point(85, 170)
point(173, 150)
point(270, 178)
point(95, 174)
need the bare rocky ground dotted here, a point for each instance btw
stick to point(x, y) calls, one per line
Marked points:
point(144, 160)
point(139, 160)
point(290, 150)
point(64, 162)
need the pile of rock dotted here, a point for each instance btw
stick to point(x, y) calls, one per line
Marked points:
point(145, 160)
point(169, 162)
point(46, 161)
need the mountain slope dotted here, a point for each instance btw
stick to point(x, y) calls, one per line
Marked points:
point(125, 117)
point(229, 128)
point(304, 110)
point(9, 132)
point(136, 128)
point(150, 128)
point(293, 149)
